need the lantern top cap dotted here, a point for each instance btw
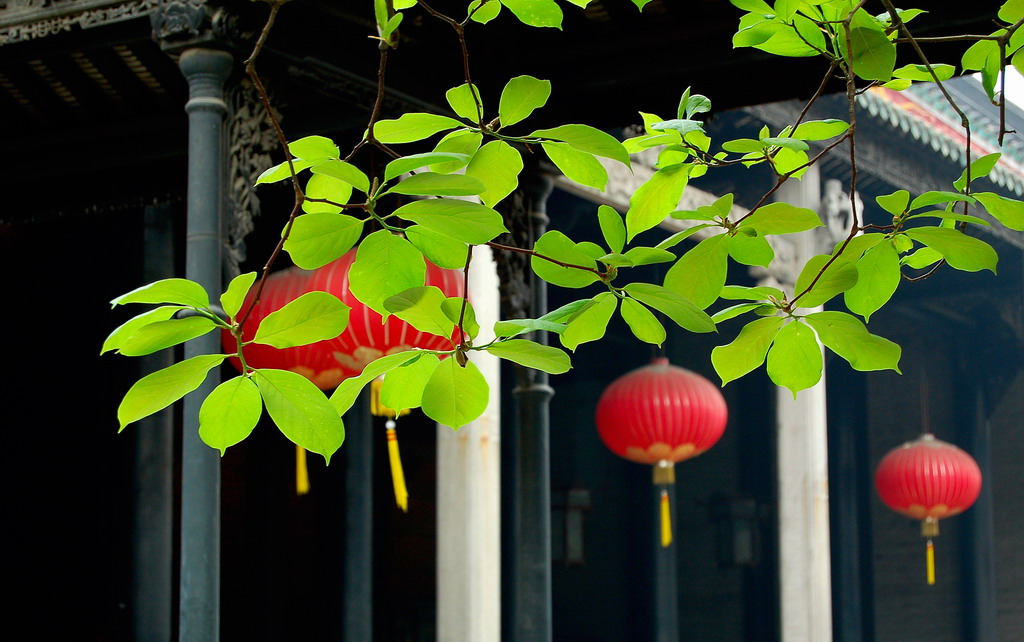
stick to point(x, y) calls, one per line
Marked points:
point(659, 361)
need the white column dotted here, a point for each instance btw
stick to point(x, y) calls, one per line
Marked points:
point(468, 494)
point(805, 584)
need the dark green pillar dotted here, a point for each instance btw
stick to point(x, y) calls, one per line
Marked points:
point(205, 70)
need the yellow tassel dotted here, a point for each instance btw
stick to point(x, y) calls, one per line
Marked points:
point(397, 474)
point(930, 560)
point(301, 472)
point(666, 520)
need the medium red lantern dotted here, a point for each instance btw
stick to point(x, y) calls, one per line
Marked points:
point(661, 414)
point(928, 479)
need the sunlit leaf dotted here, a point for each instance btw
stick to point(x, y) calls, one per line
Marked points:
point(521, 96)
point(700, 273)
point(878, 276)
point(229, 413)
point(157, 390)
point(411, 127)
point(455, 395)
point(403, 386)
point(301, 411)
point(420, 307)
point(747, 351)
point(180, 291)
point(432, 184)
point(781, 218)
point(644, 325)
point(846, 336)
point(461, 220)
point(579, 167)
point(232, 299)
point(532, 355)
point(133, 325)
point(794, 360)
point(497, 165)
point(556, 245)
point(675, 306)
point(385, 265)
point(960, 251)
point(655, 199)
point(164, 334)
point(590, 323)
point(443, 251)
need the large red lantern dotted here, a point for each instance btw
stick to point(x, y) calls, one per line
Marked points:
point(659, 415)
point(928, 479)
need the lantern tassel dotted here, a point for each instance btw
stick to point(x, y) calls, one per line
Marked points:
point(930, 562)
point(666, 520)
point(397, 474)
point(301, 472)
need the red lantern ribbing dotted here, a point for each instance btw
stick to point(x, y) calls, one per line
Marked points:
point(659, 415)
point(928, 479)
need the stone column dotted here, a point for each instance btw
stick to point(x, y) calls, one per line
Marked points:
point(205, 70)
point(802, 439)
point(468, 495)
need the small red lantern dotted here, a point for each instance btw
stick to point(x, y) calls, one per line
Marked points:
point(661, 414)
point(928, 479)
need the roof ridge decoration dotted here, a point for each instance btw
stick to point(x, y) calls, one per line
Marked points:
point(24, 20)
point(923, 113)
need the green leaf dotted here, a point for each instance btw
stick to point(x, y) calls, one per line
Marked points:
point(556, 245)
point(314, 316)
point(301, 411)
point(747, 351)
point(673, 305)
point(412, 162)
point(385, 265)
point(757, 6)
point(464, 221)
point(452, 308)
point(878, 276)
point(855, 247)
point(787, 143)
point(461, 143)
point(317, 239)
point(839, 277)
point(403, 386)
point(180, 291)
point(981, 167)
point(874, 56)
point(411, 127)
point(922, 258)
point(514, 327)
point(612, 228)
point(846, 336)
point(535, 13)
point(938, 197)
point(960, 251)
point(921, 73)
point(157, 390)
point(587, 139)
point(642, 322)
point(744, 293)
point(486, 13)
point(699, 275)
point(951, 216)
point(590, 322)
point(1007, 211)
point(431, 184)
point(648, 256)
point(281, 171)
point(421, 308)
point(781, 218)
point(1011, 11)
point(233, 298)
point(443, 251)
point(795, 360)
point(734, 311)
point(520, 97)
point(682, 125)
point(579, 167)
point(464, 100)
point(327, 188)
point(653, 201)
point(390, 27)
point(455, 395)
point(750, 250)
point(497, 165)
point(164, 334)
point(983, 56)
point(820, 129)
point(133, 325)
point(313, 148)
point(679, 237)
point(895, 203)
point(532, 355)
point(348, 390)
point(344, 172)
point(229, 413)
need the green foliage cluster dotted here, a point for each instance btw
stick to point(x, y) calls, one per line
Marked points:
point(474, 163)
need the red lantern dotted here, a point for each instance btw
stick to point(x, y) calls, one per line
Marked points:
point(659, 415)
point(315, 361)
point(367, 338)
point(928, 479)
